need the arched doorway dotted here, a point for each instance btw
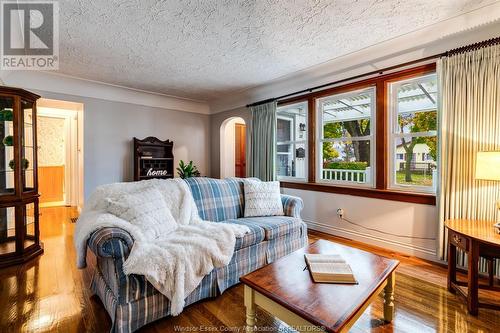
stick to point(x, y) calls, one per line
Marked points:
point(233, 148)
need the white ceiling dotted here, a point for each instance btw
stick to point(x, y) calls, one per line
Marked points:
point(207, 49)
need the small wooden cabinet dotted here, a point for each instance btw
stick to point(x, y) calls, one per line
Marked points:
point(19, 228)
point(153, 158)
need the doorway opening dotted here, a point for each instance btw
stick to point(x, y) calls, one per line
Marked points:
point(60, 153)
point(233, 148)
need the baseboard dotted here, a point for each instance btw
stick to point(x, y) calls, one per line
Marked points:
point(410, 249)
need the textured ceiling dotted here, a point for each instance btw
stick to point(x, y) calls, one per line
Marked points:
point(206, 49)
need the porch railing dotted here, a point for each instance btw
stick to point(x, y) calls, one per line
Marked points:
point(357, 176)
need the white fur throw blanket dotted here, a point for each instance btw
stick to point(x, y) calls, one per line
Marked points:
point(174, 263)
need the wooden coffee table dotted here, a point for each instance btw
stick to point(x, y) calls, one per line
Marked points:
point(286, 290)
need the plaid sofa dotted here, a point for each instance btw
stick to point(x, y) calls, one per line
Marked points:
point(133, 302)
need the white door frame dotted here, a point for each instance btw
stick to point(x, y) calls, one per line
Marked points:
point(71, 178)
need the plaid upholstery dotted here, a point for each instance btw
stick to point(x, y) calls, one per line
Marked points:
point(256, 234)
point(111, 242)
point(274, 226)
point(288, 243)
point(132, 301)
point(292, 206)
point(243, 262)
point(217, 200)
point(130, 316)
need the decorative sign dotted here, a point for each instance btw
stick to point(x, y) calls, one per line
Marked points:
point(300, 153)
point(157, 173)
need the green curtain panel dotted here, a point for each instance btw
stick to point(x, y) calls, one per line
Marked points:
point(262, 142)
point(469, 122)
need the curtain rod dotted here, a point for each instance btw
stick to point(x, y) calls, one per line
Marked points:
point(462, 49)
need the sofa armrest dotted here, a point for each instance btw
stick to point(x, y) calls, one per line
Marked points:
point(292, 206)
point(111, 243)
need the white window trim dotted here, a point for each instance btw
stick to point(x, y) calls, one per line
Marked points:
point(294, 143)
point(371, 138)
point(393, 135)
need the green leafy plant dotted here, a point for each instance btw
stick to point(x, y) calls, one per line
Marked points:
point(347, 165)
point(8, 140)
point(25, 164)
point(6, 115)
point(187, 170)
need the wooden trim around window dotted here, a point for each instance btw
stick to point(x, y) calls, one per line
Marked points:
point(311, 140)
point(381, 141)
point(413, 197)
point(381, 161)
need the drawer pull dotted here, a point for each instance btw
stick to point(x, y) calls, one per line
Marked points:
point(457, 239)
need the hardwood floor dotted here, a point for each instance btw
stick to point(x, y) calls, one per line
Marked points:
point(51, 295)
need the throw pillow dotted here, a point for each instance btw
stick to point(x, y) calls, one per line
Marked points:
point(147, 210)
point(262, 198)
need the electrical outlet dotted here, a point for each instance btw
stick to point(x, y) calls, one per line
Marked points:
point(340, 212)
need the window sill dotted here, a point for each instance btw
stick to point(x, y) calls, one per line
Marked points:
point(419, 198)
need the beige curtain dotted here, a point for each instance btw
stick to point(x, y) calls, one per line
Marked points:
point(470, 122)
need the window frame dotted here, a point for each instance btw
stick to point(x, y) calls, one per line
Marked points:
point(305, 142)
point(372, 138)
point(381, 189)
point(393, 114)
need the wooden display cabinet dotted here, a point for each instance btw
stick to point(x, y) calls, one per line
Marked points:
point(19, 227)
point(153, 158)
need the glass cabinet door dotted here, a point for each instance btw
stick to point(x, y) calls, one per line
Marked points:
point(30, 212)
point(27, 149)
point(7, 230)
point(7, 146)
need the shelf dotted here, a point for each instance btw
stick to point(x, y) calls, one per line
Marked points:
point(155, 158)
point(149, 177)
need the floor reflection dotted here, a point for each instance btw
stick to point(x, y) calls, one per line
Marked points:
point(50, 294)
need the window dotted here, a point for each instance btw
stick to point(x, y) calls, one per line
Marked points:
point(291, 137)
point(374, 138)
point(413, 125)
point(346, 138)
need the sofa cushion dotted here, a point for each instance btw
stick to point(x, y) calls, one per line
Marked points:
point(217, 200)
point(262, 198)
point(256, 234)
point(274, 226)
point(145, 209)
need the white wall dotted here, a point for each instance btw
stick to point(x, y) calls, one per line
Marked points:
point(395, 217)
point(110, 126)
point(478, 25)
point(113, 116)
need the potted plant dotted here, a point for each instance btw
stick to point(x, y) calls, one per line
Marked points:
point(6, 114)
point(187, 170)
point(8, 140)
point(25, 164)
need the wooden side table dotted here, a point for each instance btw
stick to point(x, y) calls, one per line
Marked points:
point(477, 239)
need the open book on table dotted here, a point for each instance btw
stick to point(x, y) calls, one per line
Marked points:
point(329, 268)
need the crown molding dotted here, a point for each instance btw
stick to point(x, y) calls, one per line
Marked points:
point(64, 84)
point(477, 25)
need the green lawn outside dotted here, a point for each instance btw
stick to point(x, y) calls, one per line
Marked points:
point(417, 179)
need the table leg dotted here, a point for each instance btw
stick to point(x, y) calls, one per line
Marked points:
point(472, 278)
point(491, 274)
point(250, 309)
point(389, 298)
point(452, 264)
